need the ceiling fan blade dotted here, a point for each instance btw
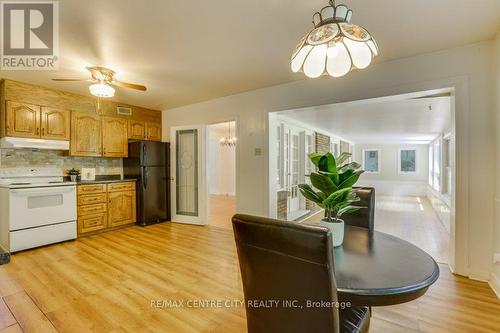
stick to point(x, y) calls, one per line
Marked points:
point(63, 79)
point(129, 85)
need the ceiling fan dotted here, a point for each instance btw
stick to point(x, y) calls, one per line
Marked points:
point(103, 82)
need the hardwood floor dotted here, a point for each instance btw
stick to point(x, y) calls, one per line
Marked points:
point(412, 219)
point(221, 209)
point(107, 282)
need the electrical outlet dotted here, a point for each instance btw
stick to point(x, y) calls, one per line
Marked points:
point(496, 258)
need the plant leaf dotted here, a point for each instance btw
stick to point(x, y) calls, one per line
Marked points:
point(351, 180)
point(349, 166)
point(309, 194)
point(328, 164)
point(315, 157)
point(323, 183)
point(343, 157)
point(335, 198)
point(348, 210)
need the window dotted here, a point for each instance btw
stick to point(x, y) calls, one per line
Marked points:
point(279, 177)
point(431, 165)
point(334, 148)
point(407, 160)
point(309, 149)
point(371, 160)
point(437, 166)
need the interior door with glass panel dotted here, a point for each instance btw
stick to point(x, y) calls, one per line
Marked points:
point(293, 169)
point(188, 169)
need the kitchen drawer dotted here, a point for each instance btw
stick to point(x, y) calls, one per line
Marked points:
point(91, 189)
point(121, 187)
point(94, 222)
point(90, 199)
point(92, 209)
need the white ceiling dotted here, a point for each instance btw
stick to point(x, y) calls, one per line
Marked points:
point(388, 120)
point(189, 51)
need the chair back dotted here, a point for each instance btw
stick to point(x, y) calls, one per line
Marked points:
point(292, 265)
point(365, 217)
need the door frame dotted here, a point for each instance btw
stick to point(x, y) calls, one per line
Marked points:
point(458, 87)
point(236, 156)
point(202, 217)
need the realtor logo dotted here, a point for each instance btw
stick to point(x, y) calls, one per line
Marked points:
point(30, 35)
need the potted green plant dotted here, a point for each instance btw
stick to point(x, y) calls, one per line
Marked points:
point(333, 180)
point(73, 174)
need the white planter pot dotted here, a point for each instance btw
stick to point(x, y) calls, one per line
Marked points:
point(73, 178)
point(337, 229)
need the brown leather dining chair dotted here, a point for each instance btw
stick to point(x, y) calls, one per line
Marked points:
point(287, 268)
point(364, 218)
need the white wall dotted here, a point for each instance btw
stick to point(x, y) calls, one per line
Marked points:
point(468, 69)
point(495, 277)
point(221, 165)
point(389, 181)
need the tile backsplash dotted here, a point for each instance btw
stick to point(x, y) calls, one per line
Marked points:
point(12, 158)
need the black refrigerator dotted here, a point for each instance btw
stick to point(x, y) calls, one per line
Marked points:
point(149, 163)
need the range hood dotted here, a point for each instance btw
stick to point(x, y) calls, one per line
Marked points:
point(10, 142)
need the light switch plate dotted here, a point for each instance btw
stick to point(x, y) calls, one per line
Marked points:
point(496, 258)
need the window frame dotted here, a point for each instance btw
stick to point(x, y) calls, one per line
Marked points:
point(379, 160)
point(401, 172)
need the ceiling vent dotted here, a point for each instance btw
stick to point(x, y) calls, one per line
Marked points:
point(124, 111)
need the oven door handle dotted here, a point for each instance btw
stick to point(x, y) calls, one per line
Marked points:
point(35, 191)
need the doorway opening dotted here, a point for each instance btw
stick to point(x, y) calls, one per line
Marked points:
point(221, 169)
point(405, 144)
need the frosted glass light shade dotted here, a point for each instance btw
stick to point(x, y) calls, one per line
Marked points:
point(102, 90)
point(335, 46)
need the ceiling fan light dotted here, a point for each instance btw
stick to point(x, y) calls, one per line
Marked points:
point(102, 90)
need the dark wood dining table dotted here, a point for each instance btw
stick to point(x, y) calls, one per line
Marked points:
point(376, 269)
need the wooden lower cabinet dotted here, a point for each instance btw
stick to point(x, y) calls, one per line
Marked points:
point(104, 206)
point(90, 223)
point(121, 208)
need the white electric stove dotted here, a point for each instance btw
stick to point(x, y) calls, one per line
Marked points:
point(37, 207)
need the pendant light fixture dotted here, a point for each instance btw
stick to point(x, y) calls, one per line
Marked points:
point(228, 141)
point(335, 46)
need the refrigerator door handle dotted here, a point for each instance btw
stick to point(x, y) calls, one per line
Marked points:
point(144, 154)
point(145, 178)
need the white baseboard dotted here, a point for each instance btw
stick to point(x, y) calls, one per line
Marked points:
point(495, 284)
point(396, 188)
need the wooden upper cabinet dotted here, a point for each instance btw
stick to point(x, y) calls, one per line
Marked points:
point(153, 131)
point(85, 134)
point(114, 137)
point(136, 130)
point(55, 124)
point(121, 208)
point(23, 120)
